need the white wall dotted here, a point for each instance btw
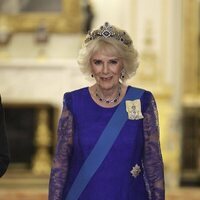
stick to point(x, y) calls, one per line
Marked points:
point(116, 12)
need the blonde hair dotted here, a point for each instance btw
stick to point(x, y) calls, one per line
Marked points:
point(128, 54)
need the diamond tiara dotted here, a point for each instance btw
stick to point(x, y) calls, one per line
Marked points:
point(108, 31)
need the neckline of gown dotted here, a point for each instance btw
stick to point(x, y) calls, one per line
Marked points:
point(106, 108)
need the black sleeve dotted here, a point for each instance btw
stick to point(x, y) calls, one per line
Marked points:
point(4, 152)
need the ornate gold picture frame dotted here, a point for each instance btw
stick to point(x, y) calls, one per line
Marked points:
point(66, 21)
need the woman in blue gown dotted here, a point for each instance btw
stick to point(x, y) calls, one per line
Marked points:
point(131, 168)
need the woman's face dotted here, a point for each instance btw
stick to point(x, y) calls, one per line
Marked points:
point(106, 69)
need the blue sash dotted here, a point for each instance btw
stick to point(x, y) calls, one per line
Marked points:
point(102, 146)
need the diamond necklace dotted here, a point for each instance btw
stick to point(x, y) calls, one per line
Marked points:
point(107, 100)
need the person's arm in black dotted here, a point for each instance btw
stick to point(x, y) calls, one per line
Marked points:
point(4, 152)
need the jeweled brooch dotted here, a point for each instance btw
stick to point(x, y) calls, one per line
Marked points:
point(134, 109)
point(135, 171)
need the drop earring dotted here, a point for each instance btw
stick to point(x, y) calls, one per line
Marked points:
point(122, 74)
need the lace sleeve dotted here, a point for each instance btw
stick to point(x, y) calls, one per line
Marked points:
point(153, 163)
point(62, 154)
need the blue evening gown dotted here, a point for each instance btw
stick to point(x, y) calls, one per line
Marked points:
point(81, 124)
